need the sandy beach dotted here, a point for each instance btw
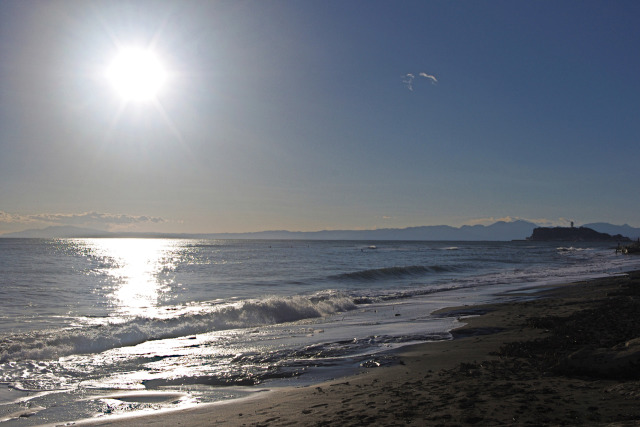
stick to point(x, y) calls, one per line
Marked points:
point(570, 357)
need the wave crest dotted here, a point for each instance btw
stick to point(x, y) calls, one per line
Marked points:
point(95, 339)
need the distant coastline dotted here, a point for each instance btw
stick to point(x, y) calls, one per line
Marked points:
point(499, 231)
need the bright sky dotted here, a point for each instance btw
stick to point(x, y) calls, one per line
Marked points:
point(310, 115)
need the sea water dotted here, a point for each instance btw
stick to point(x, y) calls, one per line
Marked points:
point(103, 327)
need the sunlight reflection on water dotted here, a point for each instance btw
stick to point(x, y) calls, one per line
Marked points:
point(136, 267)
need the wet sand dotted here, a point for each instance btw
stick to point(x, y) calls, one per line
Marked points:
point(571, 357)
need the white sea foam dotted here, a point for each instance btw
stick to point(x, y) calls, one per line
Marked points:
point(571, 249)
point(95, 339)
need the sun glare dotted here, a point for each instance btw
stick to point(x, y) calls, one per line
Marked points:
point(137, 75)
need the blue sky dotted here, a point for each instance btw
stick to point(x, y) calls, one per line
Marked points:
point(302, 115)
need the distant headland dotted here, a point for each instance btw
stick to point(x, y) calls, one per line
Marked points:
point(573, 234)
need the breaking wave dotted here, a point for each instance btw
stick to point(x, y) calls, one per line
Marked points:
point(95, 339)
point(571, 249)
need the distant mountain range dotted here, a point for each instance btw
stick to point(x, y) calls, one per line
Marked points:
point(499, 231)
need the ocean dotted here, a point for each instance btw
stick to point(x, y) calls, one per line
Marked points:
point(109, 327)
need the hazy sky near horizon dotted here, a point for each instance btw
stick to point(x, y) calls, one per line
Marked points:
point(310, 115)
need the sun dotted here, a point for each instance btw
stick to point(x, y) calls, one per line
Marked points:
point(137, 74)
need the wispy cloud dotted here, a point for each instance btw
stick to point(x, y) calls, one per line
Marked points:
point(8, 218)
point(430, 77)
point(87, 218)
point(409, 78)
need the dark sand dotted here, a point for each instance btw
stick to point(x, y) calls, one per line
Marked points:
point(571, 357)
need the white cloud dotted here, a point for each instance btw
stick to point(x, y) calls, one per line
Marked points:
point(430, 77)
point(86, 218)
point(7, 218)
point(408, 79)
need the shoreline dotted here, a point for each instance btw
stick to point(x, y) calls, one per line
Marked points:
point(571, 356)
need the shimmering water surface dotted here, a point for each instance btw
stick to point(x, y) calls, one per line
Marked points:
point(100, 327)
